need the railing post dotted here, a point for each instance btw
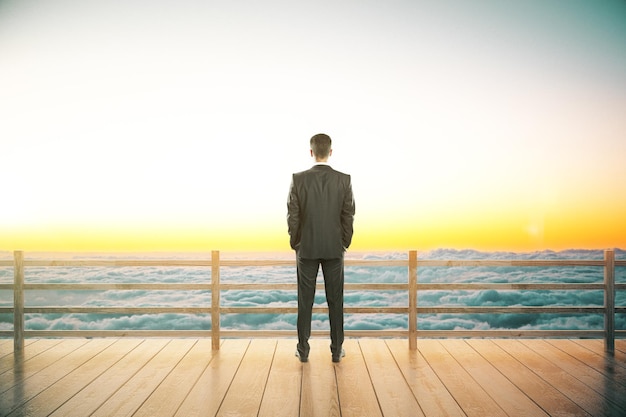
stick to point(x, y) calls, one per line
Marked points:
point(18, 301)
point(215, 299)
point(412, 300)
point(609, 301)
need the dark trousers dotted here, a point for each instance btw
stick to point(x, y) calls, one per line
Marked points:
point(307, 270)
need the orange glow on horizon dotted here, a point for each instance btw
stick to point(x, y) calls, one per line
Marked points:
point(578, 222)
point(514, 233)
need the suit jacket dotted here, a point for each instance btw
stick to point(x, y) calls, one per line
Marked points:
point(320, 213)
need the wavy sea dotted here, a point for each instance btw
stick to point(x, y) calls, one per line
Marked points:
point(282, 298)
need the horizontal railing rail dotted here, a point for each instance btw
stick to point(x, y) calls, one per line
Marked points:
point(19, 310)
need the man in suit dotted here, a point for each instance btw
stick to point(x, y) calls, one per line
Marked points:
point(320, 215)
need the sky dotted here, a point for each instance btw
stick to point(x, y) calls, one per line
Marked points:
point(175, 126)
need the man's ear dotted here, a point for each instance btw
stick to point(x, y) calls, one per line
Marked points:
point(330, 152)
point(311, 152)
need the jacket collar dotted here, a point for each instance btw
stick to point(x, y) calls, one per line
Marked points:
point(321, 166)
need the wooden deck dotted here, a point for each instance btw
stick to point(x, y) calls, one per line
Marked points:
point(261, 377)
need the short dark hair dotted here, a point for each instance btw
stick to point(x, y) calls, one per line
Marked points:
point(320, 144)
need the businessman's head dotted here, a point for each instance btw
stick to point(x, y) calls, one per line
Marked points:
point(321, 147)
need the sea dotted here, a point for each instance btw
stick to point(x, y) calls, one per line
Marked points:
point(287, 274)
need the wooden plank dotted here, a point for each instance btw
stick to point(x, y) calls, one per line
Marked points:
point(597, 345)
point(170, 394)
point(485, 309)
point(357, 397)
point(550, 372)
point(432, 395)
point(94, 394)
point(319, 384)
point(394, 395)
point(115, 310)
point(117, 262)
point(474, 286)
point(503, 334)
point(545, 395)
point(78, 377)
point(620, 349)
point(25, 369)
point(116, 334)
point(246, 391)
point(100, 355)
point(430, 286)
point(135, 391)
point(508, 396)
point(603, 363)
point(578, 362)
point(294, 286)
point(620, 345)
point(291, 263)
point(6, 347)
point(282, 393)
point(507, 262)
point(58, 367)
point(32, 348)
point(470, 396)
point(207, 394)
point(288, 310)
point(596, 381)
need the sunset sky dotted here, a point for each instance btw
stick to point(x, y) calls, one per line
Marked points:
point(175, 126)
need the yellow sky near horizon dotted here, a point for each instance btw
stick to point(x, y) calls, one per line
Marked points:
point(176, 126)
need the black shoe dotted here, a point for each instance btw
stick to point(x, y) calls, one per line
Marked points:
point(337, 358)
point(302, 358)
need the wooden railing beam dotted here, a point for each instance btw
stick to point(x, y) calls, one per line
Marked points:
point(609, 309)
point(609, 301)
point(18, 301)
point(215, 300)
point(413, 300)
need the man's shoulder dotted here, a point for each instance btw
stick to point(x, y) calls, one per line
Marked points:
point(319, 168)
point(341, 173)
point(301, 174)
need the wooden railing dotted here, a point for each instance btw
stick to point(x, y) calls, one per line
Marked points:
point(609, 333)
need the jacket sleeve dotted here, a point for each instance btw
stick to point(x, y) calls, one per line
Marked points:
point(347, 215)
point(293, 216)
